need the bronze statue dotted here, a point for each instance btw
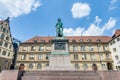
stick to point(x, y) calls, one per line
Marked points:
point(59, 28)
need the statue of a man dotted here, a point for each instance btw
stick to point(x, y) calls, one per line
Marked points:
point(59, 28)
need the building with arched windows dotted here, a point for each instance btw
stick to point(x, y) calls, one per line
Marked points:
point(114, 45)
point(84, 51)
point(6, 47)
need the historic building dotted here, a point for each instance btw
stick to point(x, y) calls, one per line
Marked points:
point(84, 51)
point(115, 48)
point(6, 47)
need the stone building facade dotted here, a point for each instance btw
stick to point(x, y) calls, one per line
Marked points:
point(84, 51)
point(6, 47)
point(115, 48)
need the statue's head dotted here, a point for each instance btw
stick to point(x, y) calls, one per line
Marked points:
point(59, 20)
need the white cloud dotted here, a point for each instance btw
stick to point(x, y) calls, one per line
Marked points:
point(74, 32)
point(113, 1)
point(80, 10)
point(93, 30)
point(111, 23)
point(15, 8)
point(112, 5)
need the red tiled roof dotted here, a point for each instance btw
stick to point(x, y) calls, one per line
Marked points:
point(71, 38)
point(117, 32)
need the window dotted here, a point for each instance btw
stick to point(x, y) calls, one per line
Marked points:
point(39, 56)
point(84, 57)
point(105, 48)
point(75, 56)
point(114, 49)
point(30, 66)
point(77, 66)
point(2, 36)
point(4, 30)
point(10, 46)
point(4, 53)
point(25, 48)
point(85, 66)
point(113, 41)
point(32, 48)
point(47, 56)
point(92, 56)
point(73, 40)
point(98, 40)
point(23, 57)
point(107, 56)
point(48, 48)
point(81, 40)
point(89, 40)
point(118, 39)
point(1, 42)
point(6, 44)
point(82, 48)
point(41, 48)
point(75, 48)
point(31, 57)
point(116, 57)
point(103, 66)
point(101, 56)
point(91, 48)
point(1, 27)
point(8, 54)
point(39, 66)
point(7, 38)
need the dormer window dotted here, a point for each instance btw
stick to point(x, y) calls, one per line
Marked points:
point(81, 40)
point(42, 40)
point(73, 40)
point(35, 41)
point(89, 40)
point(98, 40)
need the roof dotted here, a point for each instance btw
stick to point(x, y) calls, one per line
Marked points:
point(71, 39)
point(117, 33)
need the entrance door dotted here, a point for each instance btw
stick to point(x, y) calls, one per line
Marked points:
point(109, 66)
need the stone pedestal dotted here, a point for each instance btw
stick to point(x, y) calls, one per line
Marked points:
point(60, 58)
point(60, 62)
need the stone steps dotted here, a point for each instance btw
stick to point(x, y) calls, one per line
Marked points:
point(61, 75)
point(61, 78)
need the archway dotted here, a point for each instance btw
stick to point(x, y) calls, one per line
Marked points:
point(94, 67)
point(109, 66)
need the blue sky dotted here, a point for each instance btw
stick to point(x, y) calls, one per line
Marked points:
point(29, 18)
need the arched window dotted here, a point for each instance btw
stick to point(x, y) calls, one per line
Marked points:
point(4, 30)
point(75, 56)
point(85, 66)
point(39, 66)
point(2, 36)
point(7, 38)
point(30, 66)
point(94, 66)
point(77, 66)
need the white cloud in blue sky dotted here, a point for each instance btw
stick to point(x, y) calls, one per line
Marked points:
point(79, 17)
point(80, 10)
point(15, 8)
point(94, 29)
point(112, 5)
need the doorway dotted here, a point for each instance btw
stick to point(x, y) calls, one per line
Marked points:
point(109, 66)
